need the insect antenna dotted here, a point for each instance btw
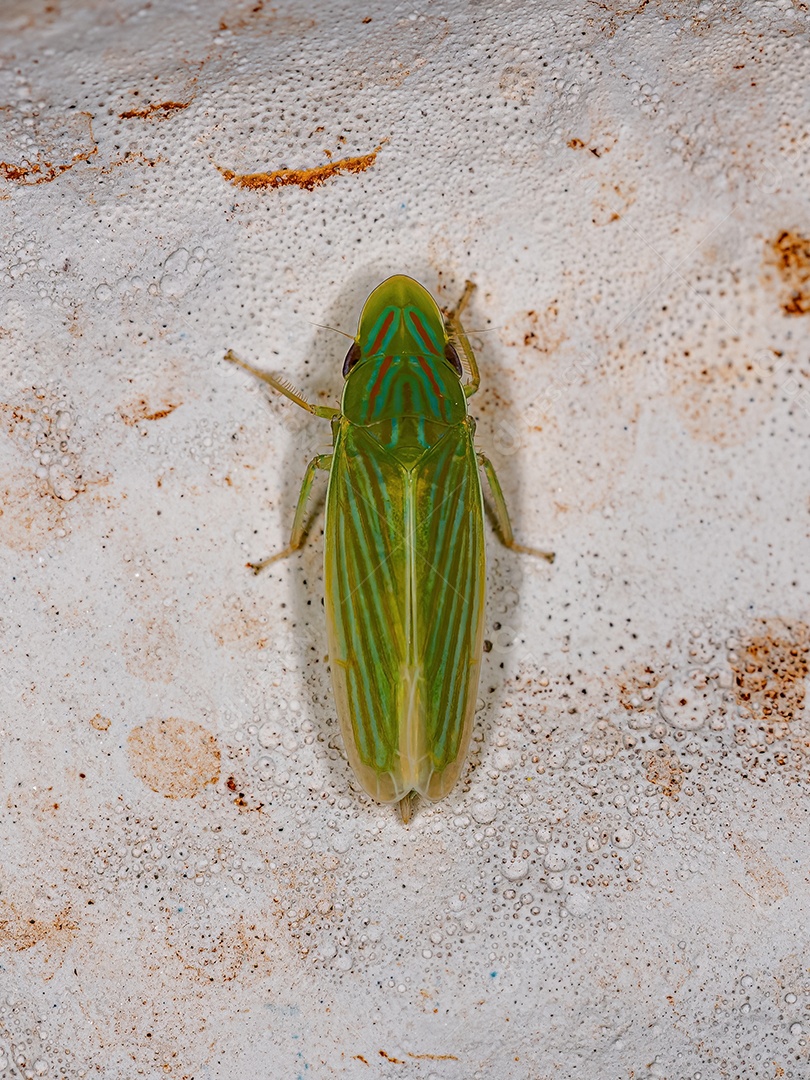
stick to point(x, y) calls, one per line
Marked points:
point(323, 326)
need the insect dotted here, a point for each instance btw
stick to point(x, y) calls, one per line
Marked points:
point(404, 543)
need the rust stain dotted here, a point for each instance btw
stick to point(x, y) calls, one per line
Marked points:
point(770, 672)
point(140, 410)
point(665, 771)
point(243, 625)
point(99, 722)
point(239, 949)
point(612, 203)
point(240, 801)
point(41, 172)
point(432, 1057)
point(393, 1060)
point(789, 253)
point(359, 1057)
point(637, 685)
point(308, 179)
point(157, 110)
point(25, 931)
point(173, 757)
point(131, 157)
point(255, 16)
point(30, 517)
point(542, 331)
point(770, 880)
point(151, 649)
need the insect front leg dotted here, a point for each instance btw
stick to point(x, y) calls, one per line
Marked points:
point(299, 532)
point(502, 514)
point(284, 387)
point(453, 320)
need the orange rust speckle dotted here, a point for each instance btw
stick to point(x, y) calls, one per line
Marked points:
point(303, 178)
point(771, 883)
point(434, 1057)
point(140, 410)
point(770, 673)
point(41, 172)
point(576, 144)
point(230, 784)
point(665, 771)
point(359, 1057)
point(393, 1060)
point(159, 110)
point(23, 932)
point(175, 758)
point(636, 684)
point(99, 722)
point(790, 254)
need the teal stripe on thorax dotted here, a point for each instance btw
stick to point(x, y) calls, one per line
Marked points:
point(389, 387)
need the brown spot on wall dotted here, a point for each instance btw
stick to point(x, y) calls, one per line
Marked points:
point(770, 881)
point(244, 623)
point(770, 672)
point(151, 649)
point(637, 685)
point(432, 1057)
point(64, 140)
point(40, 172)
point(539, 330)
point(23, 930)
point(173, 757)
point(256, 17)
point(789, 256)
point(303, 178)
point(155, 111)
point(99, 722)
point(136, 411)
point(612, 202)
point(30, 515)
point(665, 771)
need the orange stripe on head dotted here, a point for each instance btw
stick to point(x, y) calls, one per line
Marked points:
point(377, 343)
point(423, 334)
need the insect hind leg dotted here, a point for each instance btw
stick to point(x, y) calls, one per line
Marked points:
point(502, 514)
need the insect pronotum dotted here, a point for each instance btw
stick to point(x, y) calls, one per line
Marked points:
point(404, 543)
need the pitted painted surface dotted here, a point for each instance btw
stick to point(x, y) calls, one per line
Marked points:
point(617, 884)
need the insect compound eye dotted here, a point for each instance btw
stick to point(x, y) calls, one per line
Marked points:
point(451, 356)
point(352, 356)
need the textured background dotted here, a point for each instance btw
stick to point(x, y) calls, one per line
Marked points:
point(191, 884)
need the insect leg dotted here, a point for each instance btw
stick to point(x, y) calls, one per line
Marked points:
point(502, 514)
point(284, 388)
point(298, 534)
point(453, 319)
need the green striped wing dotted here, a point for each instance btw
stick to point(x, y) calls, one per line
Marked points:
point(404, 603)
point(450, 587)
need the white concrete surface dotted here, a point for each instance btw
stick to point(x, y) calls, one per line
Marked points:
point(191, 884)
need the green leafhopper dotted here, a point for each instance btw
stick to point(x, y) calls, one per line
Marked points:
point(404, 551)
